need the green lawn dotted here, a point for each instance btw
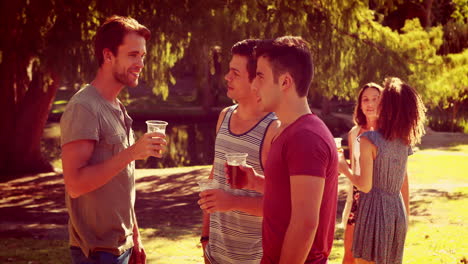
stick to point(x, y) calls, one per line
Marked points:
point(440, 234)
point(437, 232)
point(166, 251)
point(435, 166)
point(33, 251)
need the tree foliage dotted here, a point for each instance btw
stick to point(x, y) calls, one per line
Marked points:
point(48, 43)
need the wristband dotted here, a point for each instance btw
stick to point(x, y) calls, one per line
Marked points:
point(204, 238)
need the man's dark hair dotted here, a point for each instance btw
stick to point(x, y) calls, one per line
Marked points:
point(110, 35)
point(289, 54)
point(246, 48)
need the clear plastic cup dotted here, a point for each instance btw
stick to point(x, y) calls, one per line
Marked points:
point(156, 126)
point(338, 143)
point(237, 178)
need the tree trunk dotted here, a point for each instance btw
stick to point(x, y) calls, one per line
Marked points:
point(454, 116)
point(206, 86)
point(428, 13)
point(7, 112)
point(23, 130)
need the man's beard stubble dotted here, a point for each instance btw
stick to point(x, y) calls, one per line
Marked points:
point(122, 77)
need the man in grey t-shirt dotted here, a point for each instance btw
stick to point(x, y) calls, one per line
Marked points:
point(98, 151)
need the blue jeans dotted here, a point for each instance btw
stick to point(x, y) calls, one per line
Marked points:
point(99, 257)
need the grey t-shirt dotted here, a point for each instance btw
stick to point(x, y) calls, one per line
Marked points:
point(102, 219)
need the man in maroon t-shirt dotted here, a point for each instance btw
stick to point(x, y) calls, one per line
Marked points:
point(301, 172)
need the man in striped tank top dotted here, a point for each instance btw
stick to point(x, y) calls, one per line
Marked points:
point(232, 218)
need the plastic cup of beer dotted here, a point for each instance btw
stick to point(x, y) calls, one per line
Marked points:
point(207, 184)
point(237, 178)
point(156, 126)
point(338, 144)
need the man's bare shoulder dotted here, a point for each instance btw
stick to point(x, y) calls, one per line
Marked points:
point(272, 131)
point(221, 116)
point(224, 111)
point(275, 125)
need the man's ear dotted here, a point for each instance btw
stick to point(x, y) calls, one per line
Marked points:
point(285, 81)
point(107, 54)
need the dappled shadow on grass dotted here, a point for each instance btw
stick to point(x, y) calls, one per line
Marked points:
point(339, 234)
point(342, 194)
point(421, 200)
point(426, 193)
point(33, 206)
point(168, 204)
point(34, 251)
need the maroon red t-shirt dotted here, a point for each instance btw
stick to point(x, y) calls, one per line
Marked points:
point(306, 147)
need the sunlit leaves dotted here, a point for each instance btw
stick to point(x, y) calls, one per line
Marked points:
point(461, 11)
point(451, 83)
point(350, 45)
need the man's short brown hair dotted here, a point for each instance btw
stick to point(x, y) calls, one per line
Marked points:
point(246, 48)
point(110, 35)
point(289, 54)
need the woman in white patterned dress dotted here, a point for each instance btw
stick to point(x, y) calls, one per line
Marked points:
point(365, 118)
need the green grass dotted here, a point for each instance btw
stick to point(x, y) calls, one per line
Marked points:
point(440, 236)
point(164, 250)
point(438, 227)
point(433, 166)
point(33, 251)
point(437, 232)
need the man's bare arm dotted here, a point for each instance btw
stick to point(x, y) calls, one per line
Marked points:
point(306, 199)
point(81, 178)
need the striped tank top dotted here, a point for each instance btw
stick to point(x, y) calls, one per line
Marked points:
point(235, 236)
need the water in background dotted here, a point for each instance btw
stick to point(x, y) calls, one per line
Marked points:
point(190, 142)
